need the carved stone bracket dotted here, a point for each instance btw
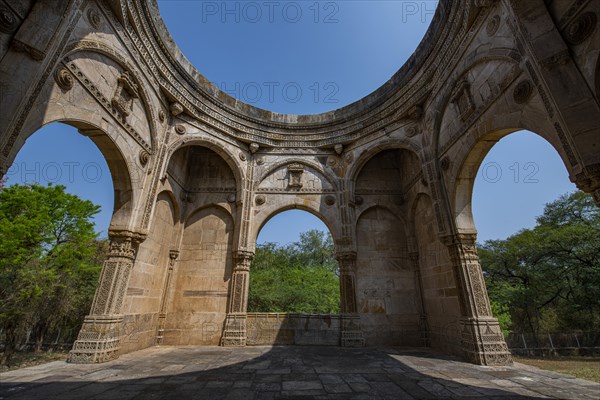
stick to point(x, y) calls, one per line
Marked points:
point(99, 337)
point(481, 337)
point(234, 334)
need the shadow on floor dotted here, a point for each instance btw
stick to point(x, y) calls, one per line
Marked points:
point(287, 373)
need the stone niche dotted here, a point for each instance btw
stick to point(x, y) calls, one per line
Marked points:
point(386, 291)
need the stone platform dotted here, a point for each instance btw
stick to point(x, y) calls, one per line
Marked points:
point(288, 373)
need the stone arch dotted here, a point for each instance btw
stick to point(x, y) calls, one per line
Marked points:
point(386, 297)
point(108, 50)
point(224, 152)
point(436, 279)
point(468, 162)
point(401, 143)
point(201, 279)
point(296, 160)
point(146, 299)
point(451, 88)
point(311, 207)
point(119, 165)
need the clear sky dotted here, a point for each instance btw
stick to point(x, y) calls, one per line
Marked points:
point(306, 57)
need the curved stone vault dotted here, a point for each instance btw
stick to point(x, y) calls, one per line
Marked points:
point(197, 173)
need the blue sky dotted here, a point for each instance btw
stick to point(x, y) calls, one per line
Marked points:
point(302, 58)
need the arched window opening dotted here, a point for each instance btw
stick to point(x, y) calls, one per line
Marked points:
point(57, 206)
point(294, 269)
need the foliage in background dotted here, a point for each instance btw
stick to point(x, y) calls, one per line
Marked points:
point(50, 260)
point(547, 279)
point(301, 277)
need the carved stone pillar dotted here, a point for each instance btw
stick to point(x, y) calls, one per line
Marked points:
point(100, 336)
point(351, 333)
point(589, 181)
point(481, 336)
point(162, 316)
point(235, 322)
point(423, 324)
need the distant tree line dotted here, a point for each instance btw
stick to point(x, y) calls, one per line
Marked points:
point(547, 279)
point(301, 277)
point(50, 260)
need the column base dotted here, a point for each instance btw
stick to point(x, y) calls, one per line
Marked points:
point(483, 342)
point(99, 340)
point(352, 335)
point(234, 334)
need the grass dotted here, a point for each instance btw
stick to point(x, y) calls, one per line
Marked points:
point(581, 367)
point(30, 359)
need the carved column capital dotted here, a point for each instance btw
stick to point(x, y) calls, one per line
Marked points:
point(124, 243)
point(589, 181)
point(243, 260)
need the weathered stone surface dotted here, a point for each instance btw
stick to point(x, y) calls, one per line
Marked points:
point(384, 373)
point(197, 173)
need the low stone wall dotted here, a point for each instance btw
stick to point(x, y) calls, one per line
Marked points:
point(265, 329)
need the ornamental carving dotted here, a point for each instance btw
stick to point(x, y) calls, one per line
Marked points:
point(523, 92)
point(8, 20)
point(64, 79)
point(581, 28)
point(493, 25)
point(125, 93)
point(94, 18)
point(295, 172)
point(463, 100)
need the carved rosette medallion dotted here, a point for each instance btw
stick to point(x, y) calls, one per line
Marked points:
point(64, 79)
point(94, 18)
point(493, 25)
point(523, 92)
point(8, 20)
point(581, 28)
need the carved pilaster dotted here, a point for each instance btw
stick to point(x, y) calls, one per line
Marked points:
point(99, 337)
point(351, 332)
point(162, 316)
point(235, 322)
point(481, 336)
point(423, 323)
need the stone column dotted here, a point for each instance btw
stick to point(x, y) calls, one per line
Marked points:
point(481, 336)
point(351, 334)
point(99, 338)
point(162, 316)
point(234, 334)
point(423, 324)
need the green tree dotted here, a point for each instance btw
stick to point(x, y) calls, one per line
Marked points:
point(300, 277)
point(548, 277)
point(47, 266)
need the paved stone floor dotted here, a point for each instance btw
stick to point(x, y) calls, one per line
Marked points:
point(288, 373)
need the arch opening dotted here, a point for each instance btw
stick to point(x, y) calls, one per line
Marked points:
point(94, 170)
point(294, 283)
point(504, 168)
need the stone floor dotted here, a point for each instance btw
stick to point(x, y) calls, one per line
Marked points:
point(288, 373)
